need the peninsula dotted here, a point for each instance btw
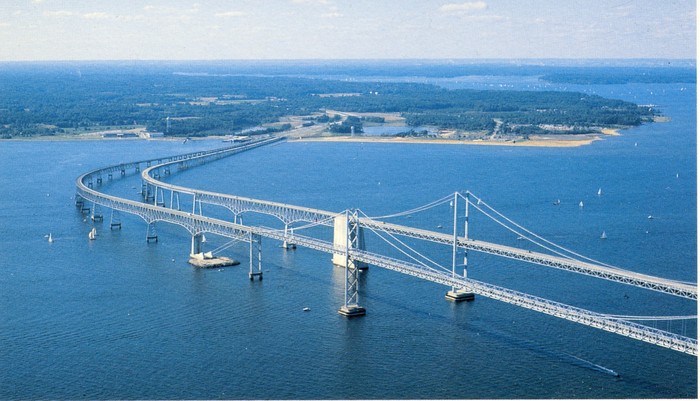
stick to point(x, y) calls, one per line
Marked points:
point(162, 100)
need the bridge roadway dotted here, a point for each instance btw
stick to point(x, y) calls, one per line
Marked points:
point(290, 214)
point(196, 224)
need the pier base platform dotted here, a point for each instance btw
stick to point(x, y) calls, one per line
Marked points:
point(459, 295)
point(211, 261)
point(352, 311)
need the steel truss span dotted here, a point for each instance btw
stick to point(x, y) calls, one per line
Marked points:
point(153, 169)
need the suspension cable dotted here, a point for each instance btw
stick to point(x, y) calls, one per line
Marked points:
point(407, 247)
point(538, 236)
point(415, 210)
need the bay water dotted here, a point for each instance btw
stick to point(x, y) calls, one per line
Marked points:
point(120, 318)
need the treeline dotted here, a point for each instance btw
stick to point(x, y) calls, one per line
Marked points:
point(47, 100)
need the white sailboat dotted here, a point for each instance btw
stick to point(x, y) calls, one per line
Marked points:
point(603, 236)
point(600, 191)
point(92, 233)
point(50, 238)
point(580, 204)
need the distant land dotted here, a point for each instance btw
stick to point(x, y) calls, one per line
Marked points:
point(300, 98)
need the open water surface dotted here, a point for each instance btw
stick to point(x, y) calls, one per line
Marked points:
point(119, 318)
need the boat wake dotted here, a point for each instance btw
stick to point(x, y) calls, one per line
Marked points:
point(590, 365)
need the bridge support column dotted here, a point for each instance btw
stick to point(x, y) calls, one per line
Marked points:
point(348, 226)
point(149, 193)
point(115, 220)
point(176, 197)
point(286, 244)
point(96, 215)
point(197, 241)
point(255, 257)
point(151, 234)
point(345, 230)
point(158, 201)
point(459, 294)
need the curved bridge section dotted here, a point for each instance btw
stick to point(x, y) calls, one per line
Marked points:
point(289, 214)
point(89, 199)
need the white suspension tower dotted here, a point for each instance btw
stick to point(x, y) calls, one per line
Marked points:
point(461, 294)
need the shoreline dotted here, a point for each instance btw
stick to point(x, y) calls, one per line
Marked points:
point(554, 141)
point(536, 142)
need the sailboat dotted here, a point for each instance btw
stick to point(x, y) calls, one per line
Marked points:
point(603, 236)
point(92, 233)
point(580, 204)
point(600, 191)
point(50, 238)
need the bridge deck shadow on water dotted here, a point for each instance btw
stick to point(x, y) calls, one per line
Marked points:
point(346, 236)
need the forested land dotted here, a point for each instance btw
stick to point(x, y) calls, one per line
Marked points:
point(45, 99)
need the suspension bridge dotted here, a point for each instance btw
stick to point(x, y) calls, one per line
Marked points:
point(166, 202)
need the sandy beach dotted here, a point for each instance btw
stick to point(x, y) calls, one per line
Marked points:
point(565, 141)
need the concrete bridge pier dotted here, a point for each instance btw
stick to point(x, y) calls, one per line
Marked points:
point(344, 232)
point(286, 244)
point(96, 215)
point(151, 233)
point(197, 241)
point(174, 200)
point(115, 220)
point(158, 201)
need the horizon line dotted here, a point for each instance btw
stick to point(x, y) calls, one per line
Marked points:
point(453, 60)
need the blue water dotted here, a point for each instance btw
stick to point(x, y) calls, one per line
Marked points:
point(120, 318)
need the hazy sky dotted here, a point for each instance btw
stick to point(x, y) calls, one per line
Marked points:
point(327, 29)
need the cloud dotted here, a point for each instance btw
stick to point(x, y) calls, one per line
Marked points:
point(322, 2)
point(59, 13)
point(333, 14)
point(463, 7)
point(227, 14)
point(96, 15)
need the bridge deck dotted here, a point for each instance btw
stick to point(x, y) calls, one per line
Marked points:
point(290, 213)
point(196, 224)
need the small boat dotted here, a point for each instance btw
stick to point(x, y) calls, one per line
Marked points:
point(50, 238)
point(650, 217)
point(439, 226)
point(603, 236)
point(600, 191)
point(556, 202)
point(452, 203)
point(580, 204)
point(92, 233)
point(306, 309)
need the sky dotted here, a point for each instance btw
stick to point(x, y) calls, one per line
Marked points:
point(350, 29)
